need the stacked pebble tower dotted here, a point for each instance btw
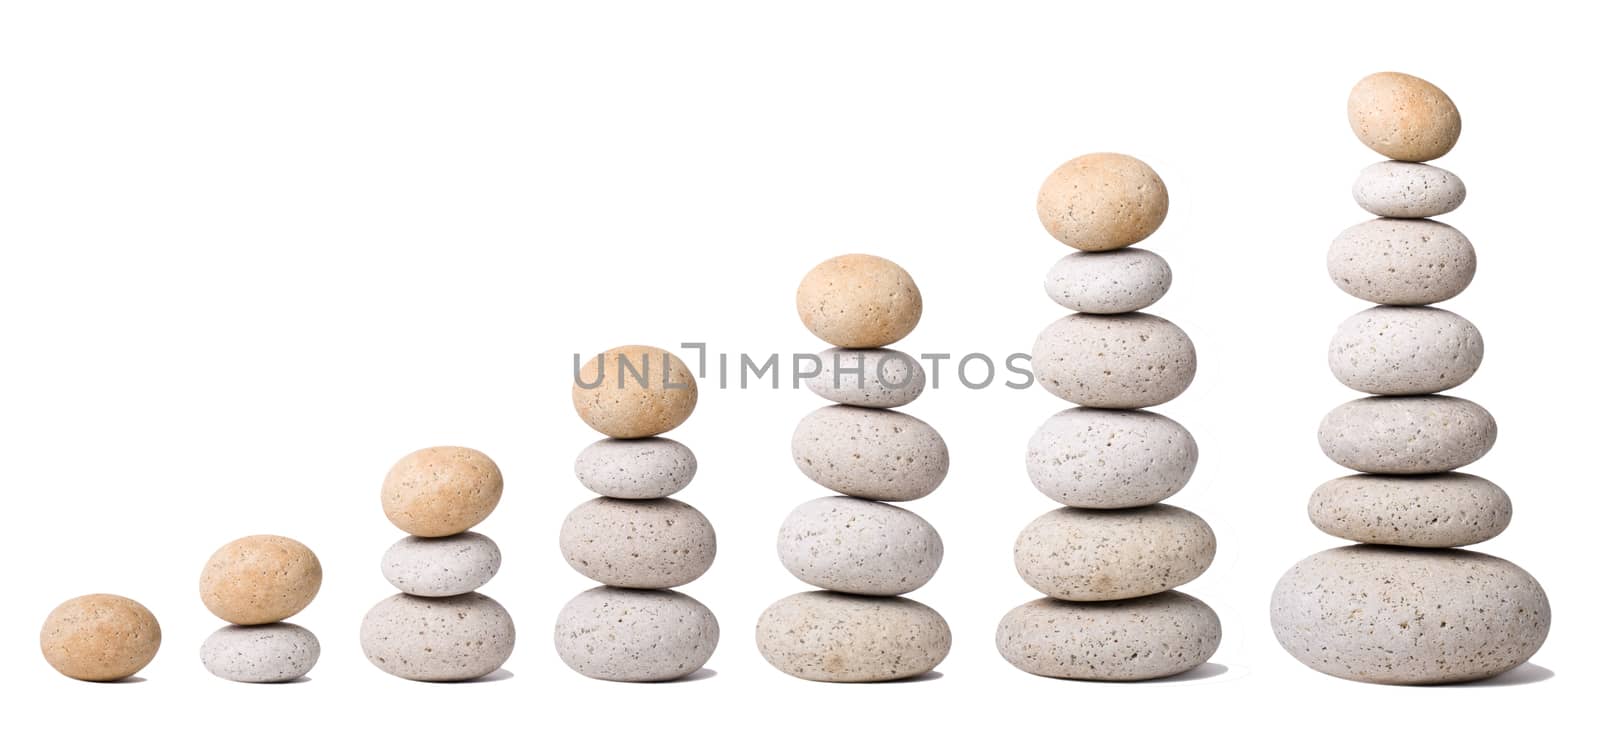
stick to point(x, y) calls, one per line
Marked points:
point(1109, 561)
point(634, 540)
point(438, 628)
point(1405, 606)
point(256, 583)
point(861, 551)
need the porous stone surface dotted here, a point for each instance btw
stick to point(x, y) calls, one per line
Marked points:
point(1395, 615)
point(1119, 281)
point(634, 391)
point(868, 377)
point(1102, 201)
point(1402, 117)
point(1125, 361)
point(439, 491)
point(1402, 261)
point(438, 638)
point(1408, 190)
point(652, 544)
point(1110, 458)
point(1087, 555)
point(652, 467)
point(1407, 434)
point(1405, 350)
point(859, 301)
point(830, 636)
point(260, 654)
point(617, 634)
point(99, 637)
point(859, 546)
point(870, 453)
point(443, 566)
point(260, 579)
point(1123, 640)
point(1433, 511)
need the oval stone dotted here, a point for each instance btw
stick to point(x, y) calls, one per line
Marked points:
point(1123, 640)
point(1405, 350)
point(438, 638)
point(1110, 458)
point(1403, 117)
point(616, 634)
point(440, 567)
point(870, 453)
point(1402, 261)
point(830, 636)
point(859, 546)
point(652, 467)
point(648, 545)
point(1407, 434)
point(1102, 201)
point(867, 377)
point(1434, 511)
point(1125, 361)
point(1408, 190)
point(260, 654)
point(1118, 281)
point(1083, 555)
point(1394, 615)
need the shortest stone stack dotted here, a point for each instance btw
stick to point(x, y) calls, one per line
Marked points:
point(99, 638)
point(438, 628)
point(634, 540)
point(256, 583)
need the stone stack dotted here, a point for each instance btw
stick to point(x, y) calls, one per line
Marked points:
point(634, 540)
point(439, 628)
point(1404, 606)
point(256, 583)
point(1109, 561)
point(860, 550)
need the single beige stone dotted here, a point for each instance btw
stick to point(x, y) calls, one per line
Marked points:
point(832, 636)
point(441, 491)
point(634, 391)
point(1402, 261)
point(1102, 201)
point(1122, 640)
point(1403, 117)
point(859, 301)
point(99, 638)
point(1407, 435)
point(1088, 555)
point(1432, 511)
point(1127, 361)
point(647, 545)
point(260, 579)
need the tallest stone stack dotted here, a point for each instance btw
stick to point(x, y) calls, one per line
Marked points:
point(1404, 606)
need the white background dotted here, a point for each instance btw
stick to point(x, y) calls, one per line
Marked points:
point(253, 253)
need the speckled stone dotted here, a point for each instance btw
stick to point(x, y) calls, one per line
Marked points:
point(870, 453)
point(1393, 615)
point(652, 467)
point(260, 654)
point(1433, 511)
point(260, 579)
point(1407, 435)
point(647, 545)
point(443, 566)
point(869, 377)
point(616, 634)
point(1102, 201)
point(1084, 555)
point(438, 638)
point(859, 301)
point(1123, 640)
point(1126, 361)
point(99, 638)
point(1402, 261)
point(1408, 190)
point(1110, 458)
point(1403, 117)
point(1105, 283)
point(634, 391)
point(1405, 350)
point(830, 636)
point(859, 546)
point(440, 491)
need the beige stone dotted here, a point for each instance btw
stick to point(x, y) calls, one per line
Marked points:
point(99, 637)
point(859, 301)
point(831, 636)
point(1432, 511)
point(1087, 555)
point(627, 392)
point(1122, 640)
point(1102, 201)
point(260, 579)
point(1403, 117)
point(441, 491)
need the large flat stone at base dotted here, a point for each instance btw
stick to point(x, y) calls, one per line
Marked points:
point(1126, 640)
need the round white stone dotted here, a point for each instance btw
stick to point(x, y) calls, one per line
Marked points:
point(1408, 190)
point(1110, 458)
point(870, 453)
point(260, 654)
point(1407, 434)
point(617, 634)
point(868, 377)
point(438, 638)
point(1126, 361)
point(830, 636)
point(443, 566)
point(1085, 555)
point(1402, 261)
point(647, 545)
point(1432, 511)
point(1122, 640)
point(652, 467)
point(1405, 350)
point(859, 546)
point(1118, 281)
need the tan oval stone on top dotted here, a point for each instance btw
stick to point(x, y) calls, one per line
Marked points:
point(99, 638)
point(1102, 201)
point(1403, 117)
point(635, 391)
point(260, 579)
point(441, 491)
point(859, 301)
